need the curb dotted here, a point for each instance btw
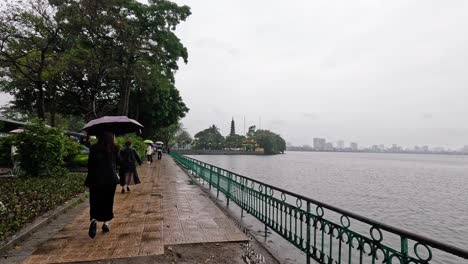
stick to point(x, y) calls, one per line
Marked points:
point(39, 222)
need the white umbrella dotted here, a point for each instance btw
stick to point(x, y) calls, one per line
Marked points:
point(17, 131)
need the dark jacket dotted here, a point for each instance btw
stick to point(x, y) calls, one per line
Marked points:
point(102, 167)
point(128, 156)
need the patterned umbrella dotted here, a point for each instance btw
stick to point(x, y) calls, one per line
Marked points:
point(118, 125)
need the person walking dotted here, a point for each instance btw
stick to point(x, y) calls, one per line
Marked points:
point(102, 180)
point(159, 153)
point(128, 172)
point(149, 153)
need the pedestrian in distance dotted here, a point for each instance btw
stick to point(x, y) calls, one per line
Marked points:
point(128, 172)
point(159, 153)
point(102, 180)
point(149, 153)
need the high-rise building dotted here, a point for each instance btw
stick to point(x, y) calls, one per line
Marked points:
point(319, 143)
point(353, 146)
point(329, 146)
point(340, 144)
point(465, 149)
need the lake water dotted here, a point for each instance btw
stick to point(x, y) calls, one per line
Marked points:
point(425, 194)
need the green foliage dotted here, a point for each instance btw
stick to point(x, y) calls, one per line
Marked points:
point(41, 150)
point(80, 160)
point(251, 132)
point(5, 150)
point(235, 141)
point(24, 199)
point(209, 138)
point(137, 143)
point(182, 138)
point(71, 149)
point(271, 142)
point(93, 58)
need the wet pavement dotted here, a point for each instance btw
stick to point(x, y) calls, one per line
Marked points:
point(164, 211)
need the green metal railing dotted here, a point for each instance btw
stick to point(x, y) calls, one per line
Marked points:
point(331, 240)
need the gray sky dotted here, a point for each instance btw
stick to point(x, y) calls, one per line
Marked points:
point(366, 71)
point(373, 72)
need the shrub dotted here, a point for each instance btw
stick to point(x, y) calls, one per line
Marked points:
point(137, 143)
point(41, 150)
point(23, 199)
point(71, 150)
point(80, 160)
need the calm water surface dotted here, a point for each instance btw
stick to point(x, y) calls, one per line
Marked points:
point(426, 194)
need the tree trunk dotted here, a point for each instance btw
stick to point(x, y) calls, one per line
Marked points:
point(40, 101)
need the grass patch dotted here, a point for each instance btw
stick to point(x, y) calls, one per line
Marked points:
point(24, 199)
point(80, 160)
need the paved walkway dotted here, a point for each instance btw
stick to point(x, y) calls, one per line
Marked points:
point(164, 210)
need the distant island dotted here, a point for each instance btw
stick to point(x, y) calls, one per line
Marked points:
point(211, 141)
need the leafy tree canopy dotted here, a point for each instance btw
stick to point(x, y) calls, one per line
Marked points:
point(209, 138)
point(92, 58)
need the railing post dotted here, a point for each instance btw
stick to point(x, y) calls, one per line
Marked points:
point(211, 174)
point(229, 188)
point(242, 181)
point(404, 249)
point(265, 211)
point(308, 233)
point(217, 189)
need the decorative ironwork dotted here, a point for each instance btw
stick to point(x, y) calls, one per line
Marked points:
point(339, 237)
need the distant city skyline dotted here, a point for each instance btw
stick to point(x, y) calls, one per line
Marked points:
point(322, 144)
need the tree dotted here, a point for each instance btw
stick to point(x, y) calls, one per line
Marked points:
point(209, 138)
point(29, 54)
point(90, 58)
point(272, 143)
point(182, 137)
point(251, 132)
point(234, 141)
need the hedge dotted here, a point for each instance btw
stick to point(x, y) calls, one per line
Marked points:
point(24, 199)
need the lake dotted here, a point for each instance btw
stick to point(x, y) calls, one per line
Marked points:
point(425, 194)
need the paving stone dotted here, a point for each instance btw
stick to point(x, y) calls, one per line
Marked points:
point(164, 210)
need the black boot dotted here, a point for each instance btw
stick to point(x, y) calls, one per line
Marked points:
point(92, 229)
point(105, 228)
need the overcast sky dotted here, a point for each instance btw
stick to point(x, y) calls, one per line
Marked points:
point(373, 72)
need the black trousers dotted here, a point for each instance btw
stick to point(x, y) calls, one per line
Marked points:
point(101, 202)
point(149, 158)
point(159, 155)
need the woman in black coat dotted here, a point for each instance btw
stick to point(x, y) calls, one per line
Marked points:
point(102, 180)
point(128, 172)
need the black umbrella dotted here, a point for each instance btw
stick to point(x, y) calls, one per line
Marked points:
point(118, 125)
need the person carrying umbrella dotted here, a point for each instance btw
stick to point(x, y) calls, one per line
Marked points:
point(102, 177)
point(149, 151)
point(101, 181)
